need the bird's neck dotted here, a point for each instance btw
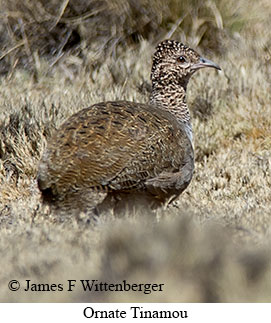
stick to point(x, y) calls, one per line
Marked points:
point(171, 98)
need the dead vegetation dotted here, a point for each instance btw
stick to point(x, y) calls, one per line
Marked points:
point(214, 243)
point(33, 30)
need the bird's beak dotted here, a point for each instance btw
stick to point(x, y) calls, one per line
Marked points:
point(203, 62)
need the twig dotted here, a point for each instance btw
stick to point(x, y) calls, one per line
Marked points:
point(62, 10)
point(21, 43)
point(175, 26)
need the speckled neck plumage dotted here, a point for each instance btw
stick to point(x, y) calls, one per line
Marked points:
point(171, 97)
point(170, 94)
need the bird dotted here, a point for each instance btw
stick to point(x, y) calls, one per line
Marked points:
point(127, 149)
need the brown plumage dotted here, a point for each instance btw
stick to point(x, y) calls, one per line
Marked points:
point(114, 148)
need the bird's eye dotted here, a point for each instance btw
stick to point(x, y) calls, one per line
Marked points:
point(181, 59)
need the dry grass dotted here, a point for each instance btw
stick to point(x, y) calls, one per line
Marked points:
point(214, 243)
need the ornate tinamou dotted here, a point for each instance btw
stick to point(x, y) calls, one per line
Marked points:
point(121, 148)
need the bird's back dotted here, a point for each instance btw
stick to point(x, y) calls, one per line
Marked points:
point(116, 147)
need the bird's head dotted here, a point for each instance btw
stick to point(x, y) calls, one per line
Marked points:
point(173, 62)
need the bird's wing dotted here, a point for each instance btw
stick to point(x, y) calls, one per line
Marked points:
point(112, 146)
